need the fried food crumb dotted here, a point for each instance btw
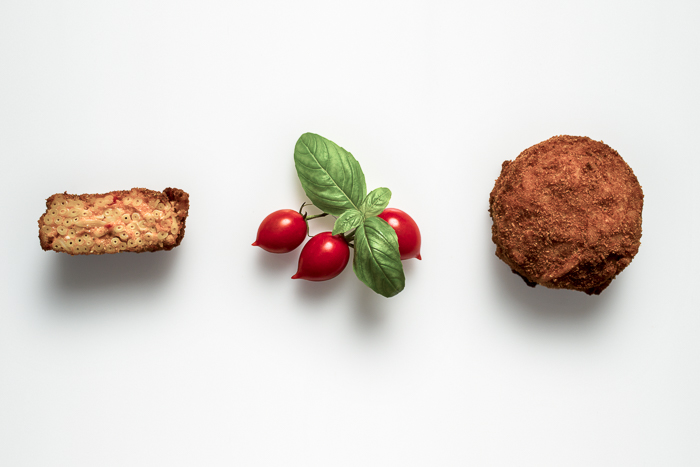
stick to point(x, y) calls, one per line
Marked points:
point(567, 214)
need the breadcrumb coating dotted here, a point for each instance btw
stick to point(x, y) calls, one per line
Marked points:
point(567, 214)
point(93, 224)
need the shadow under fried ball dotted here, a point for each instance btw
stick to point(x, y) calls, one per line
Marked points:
point(567, 214)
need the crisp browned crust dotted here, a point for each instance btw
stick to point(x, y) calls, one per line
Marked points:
point(181, 204)
point(137, 220)
point(567, 214)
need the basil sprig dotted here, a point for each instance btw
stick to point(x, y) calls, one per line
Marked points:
point(377, 261)
point(375, 202)
point(350, 219)
point(331, 177)
point(334, 182)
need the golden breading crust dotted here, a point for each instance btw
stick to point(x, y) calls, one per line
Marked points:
point(93, 224)
point(567, 214)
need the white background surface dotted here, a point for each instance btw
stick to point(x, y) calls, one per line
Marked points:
point(211, 355)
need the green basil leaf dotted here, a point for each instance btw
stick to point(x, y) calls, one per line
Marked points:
point(330, 175)
point(375, 202)
point(377, 261)
point(348, 220)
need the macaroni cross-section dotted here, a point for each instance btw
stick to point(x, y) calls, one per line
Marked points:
point(93, 224)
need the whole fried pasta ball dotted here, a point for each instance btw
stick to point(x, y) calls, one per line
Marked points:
point(567, 214)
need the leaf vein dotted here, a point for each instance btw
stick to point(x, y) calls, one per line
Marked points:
point(328, 174)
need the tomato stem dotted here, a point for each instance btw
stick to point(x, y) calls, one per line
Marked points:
point(302, 207)
point(306, 214)
point(323, 214)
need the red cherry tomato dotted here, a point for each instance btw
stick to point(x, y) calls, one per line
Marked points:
point(323, 257)
point(407, 231)
point(281, 232)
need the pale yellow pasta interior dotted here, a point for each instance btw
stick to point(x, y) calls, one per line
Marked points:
point(109, 224)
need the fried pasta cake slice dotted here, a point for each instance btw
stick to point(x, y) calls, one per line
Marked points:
point(92, 224)
point(567, 214)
